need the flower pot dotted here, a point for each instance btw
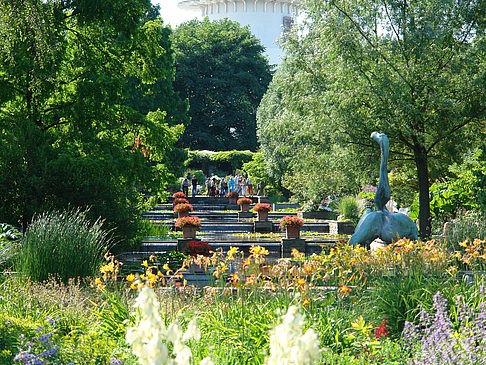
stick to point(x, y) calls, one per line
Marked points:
point(183, 214)
point(245, 207)
point(262, 215)
point(189, 232)
point(292, 231)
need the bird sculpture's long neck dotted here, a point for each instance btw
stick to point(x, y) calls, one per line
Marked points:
point(383, 192)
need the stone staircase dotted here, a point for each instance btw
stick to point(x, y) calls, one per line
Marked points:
point(222, 229)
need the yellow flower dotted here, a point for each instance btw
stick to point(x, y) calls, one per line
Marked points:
point(306, 302)
point(166, 267)
point(160, 273)
point(134, 286)
point(130, 277)
point(464, 243)
point(145, 263)
point(152, 258)
point(258, 250)
point(343, 290)
point(185, 283)
point(231, 252)
point(250, 280)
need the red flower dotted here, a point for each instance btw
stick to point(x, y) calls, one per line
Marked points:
point(194, 248)
point(179, 194)
point(382, 331)
point(188, 221)
point(291, 222)
point(183, 207)
point(262, 207)
point(180, 201)
point(233, 194)
point(242, 201)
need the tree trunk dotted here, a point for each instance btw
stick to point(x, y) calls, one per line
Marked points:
point(420, 156)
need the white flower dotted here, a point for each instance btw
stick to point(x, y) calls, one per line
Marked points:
point(288, 345)
point(206, 361)
point(150, 337)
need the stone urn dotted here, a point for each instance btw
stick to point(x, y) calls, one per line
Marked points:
point(292, 231)
point(189, 232)
point(262, 216)
point(245, 207)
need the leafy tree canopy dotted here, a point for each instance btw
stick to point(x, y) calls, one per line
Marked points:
point(221, 69)
point(81, 116)
point(412, 69)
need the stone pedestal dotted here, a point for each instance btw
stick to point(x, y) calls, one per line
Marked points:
point(262, 227)
point(336, 227)
point(288, 244)
point(320, 214)
point(244, 215)
point(182, 242)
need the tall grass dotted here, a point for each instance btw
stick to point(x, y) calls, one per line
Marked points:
point(63, 244)
point(348, 208)
point(467, 225)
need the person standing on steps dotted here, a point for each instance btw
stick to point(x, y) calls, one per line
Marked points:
point(250, 186)
point(194, 186)
point(185, 186)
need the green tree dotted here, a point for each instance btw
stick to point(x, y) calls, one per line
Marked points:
point(221, 69)
point(411, 69)
point(70, 135)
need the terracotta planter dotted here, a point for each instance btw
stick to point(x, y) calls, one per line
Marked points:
point(183, 214)
point(292, 231)
point(232, 201)
point(189, 232)
point(262, 216)
point(245, 207)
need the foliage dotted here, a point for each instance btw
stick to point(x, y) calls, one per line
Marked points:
point(408, 69)
point(88, 110)
point(466, 227)
point(9, 238)
point(458, 192)
point(221, 69)
point(262, 207)
point(194, 248)
point(242, 201)
point(178, 194)
point(233, 195)
point(291, 221)
point(348, 207)
point(183, 208)
point(188, 221)
point(65, 244)
point(227, 161)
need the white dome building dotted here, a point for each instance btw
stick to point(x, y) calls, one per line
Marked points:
point(267, 19)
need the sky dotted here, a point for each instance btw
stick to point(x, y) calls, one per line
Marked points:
point(173, 15)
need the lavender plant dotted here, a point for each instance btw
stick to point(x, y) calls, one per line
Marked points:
point(40, 350)
point(439, 340)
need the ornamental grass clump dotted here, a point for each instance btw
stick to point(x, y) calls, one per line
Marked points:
point(183, 208)
point(188, 221)
point(262, 207)
point(291, 221)
point(62, 244)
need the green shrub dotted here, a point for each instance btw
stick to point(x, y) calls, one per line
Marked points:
point(348, 208)
point(467, 225)
point(65, 244)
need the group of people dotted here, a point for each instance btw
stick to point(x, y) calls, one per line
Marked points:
point(221, 187)
point(239, 183)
